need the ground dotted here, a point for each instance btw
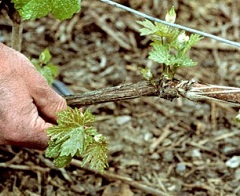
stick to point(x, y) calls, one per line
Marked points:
point(156, 147)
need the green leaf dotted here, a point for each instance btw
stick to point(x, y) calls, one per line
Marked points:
point(62, 161)
point(74, 118)
point(45, 56)
point(96, 155)
point(36, 64)
point(32, 9)
point(146, 73)
point(74, 143)
point(54, 69)
point(160, 54)
point(52, 150)
point(149, 27)
point(181, 61)
point(171, 15)
point(169, 45)
point(61, 9)
point(91, 131)
point(49, 72)
point(158, 29)
point(74, 136)
point(194, 38)
point(88, 118)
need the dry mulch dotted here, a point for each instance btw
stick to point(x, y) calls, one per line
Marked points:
point(156, 147)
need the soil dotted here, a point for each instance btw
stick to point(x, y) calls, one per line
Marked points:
point(156, 146)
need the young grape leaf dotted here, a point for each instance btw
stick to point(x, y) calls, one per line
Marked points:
point(183, 61)
point(169, 45)
point(74, 136)
point(61, 9)
point(88, 118)
point(45, 56)
point(69, 132)
point(146, 73)
point(157, 29)
point(62, 161)
point(194, 38)
point(53, 149)
point(32, 9)
point(48, 70)
point(96, 155)
point(74, 142)
point(64, 9)
point(149, 27)
point(171, 15)
point(160, 54)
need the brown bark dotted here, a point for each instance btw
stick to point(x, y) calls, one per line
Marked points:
point(17, 25)
point(17, 28)
point(170, 90)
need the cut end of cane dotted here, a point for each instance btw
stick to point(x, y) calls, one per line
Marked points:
point(213, 93)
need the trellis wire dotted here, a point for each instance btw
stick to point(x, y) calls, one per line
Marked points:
point(220, 39)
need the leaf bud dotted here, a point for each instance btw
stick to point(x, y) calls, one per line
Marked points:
point(98, 137)
point(182, 38)
point(171, 16)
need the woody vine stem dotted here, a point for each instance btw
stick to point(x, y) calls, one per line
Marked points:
point(17, 24)
point(172, 89)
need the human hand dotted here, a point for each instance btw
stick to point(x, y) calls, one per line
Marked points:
point(28, 105)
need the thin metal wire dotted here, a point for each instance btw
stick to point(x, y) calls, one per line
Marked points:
point(220, 39)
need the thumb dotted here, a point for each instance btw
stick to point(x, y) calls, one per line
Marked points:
point(47, 101)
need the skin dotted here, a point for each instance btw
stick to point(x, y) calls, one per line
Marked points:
point(28, 106)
